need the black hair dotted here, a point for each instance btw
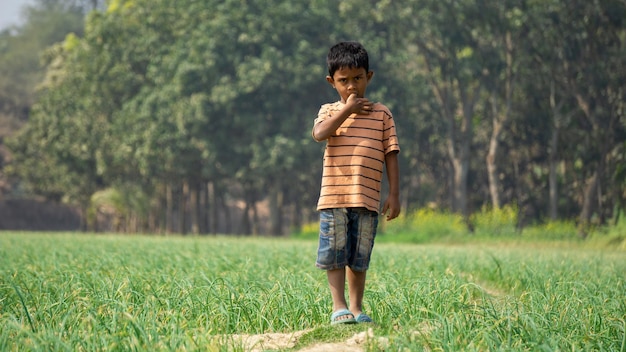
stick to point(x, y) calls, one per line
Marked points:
point(347, 54)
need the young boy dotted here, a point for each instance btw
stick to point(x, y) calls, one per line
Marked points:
point(360, 138)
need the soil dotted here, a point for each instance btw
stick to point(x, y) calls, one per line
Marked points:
point(277, 341)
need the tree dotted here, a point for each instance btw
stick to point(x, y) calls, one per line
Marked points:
point(500, 56)
point(184, 114)
point(592, 60)
point(448, 51)
point(45, 23)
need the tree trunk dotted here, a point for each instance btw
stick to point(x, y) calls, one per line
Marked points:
point(297, 220)
point(460, 168)
point(212, 203)
point(492, 166)
point(202, 207)
point(255, 220)
point(182, 208)
point(169, 209)
point(228, 224)
point(84, 218)
point(559, 120)
point(245, 218)
point(552, 177)
point(589, 201)
point(276, 211)
point(521, 218)
point(194, 208)
point(461, 158)
point(500, 119)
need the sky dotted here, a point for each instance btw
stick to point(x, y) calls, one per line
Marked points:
point(11, 12)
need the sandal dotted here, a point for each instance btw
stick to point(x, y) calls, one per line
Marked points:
point(363, 318)
point(335, 317)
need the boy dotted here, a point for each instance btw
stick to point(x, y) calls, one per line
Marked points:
point(360, 138)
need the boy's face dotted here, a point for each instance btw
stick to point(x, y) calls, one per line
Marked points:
point(349, 81)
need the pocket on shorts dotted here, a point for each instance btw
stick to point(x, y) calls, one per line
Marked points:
point(331, 253)
point(327, 223)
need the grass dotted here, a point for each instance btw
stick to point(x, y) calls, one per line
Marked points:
point(104, 292)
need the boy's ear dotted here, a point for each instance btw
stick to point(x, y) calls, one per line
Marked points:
point(370, 74)
point(330, 80)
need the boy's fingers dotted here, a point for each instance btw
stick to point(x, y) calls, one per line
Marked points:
point(393, 214)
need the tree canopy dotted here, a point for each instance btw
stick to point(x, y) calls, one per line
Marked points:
point(183, 109)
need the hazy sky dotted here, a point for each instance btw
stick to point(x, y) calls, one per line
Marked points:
point(10, 12)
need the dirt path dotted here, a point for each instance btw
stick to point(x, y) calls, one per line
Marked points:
point(277, 341)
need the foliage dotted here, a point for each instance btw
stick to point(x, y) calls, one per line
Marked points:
point(45, 23)
point(100, 292)
point(310, 230)
point(171, 101)
point(428, 225)
point(496, 221)
point(424, 225)
point(611, 236)
point(551, 230)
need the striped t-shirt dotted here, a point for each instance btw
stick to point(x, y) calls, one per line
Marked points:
point(354, 158)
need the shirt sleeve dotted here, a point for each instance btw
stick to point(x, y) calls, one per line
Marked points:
point(390, 137)
point(323, 114)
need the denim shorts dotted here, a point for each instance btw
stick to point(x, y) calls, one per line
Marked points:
point(346, 238)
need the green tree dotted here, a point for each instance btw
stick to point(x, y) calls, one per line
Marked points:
point(593, 61)
point(444, 33)
point(179, 113)
point(45, 23)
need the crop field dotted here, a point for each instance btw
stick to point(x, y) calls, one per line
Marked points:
point(86, 292)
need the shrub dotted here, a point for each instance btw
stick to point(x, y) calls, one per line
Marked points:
point(423, 225)
point(429, 225)
point(308, 231)
point(552, 230)
point(496, 222)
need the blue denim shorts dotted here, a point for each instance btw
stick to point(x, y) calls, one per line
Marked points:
point(346, 238)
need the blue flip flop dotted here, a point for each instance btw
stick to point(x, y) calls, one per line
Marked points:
point(334, 318)
point(363, 318)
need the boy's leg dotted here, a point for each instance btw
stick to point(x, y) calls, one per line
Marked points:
point(332, 255)
point(356, 289)
point(337, 283)
point(363, 233)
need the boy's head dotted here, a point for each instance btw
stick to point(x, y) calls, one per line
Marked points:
point(347, 55)
point(348, 69)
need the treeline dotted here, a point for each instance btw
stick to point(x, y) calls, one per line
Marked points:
point(165, 115)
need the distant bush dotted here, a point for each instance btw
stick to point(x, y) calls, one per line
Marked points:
point(613, 236)
point(423, 225)
point(501, 222)
point(552, 230)
point(430, 225)
point(307, 231)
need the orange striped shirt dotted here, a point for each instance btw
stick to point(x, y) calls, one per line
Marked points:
point(354, 158)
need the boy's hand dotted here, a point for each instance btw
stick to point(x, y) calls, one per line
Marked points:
point(354, 105)
point(361, 106)
point(391, 208)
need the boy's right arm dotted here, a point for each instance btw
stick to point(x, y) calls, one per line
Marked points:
point(325, 128)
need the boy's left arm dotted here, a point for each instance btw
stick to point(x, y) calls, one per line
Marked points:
point(392, 204)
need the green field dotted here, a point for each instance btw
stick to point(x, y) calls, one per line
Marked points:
point(102, 292)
